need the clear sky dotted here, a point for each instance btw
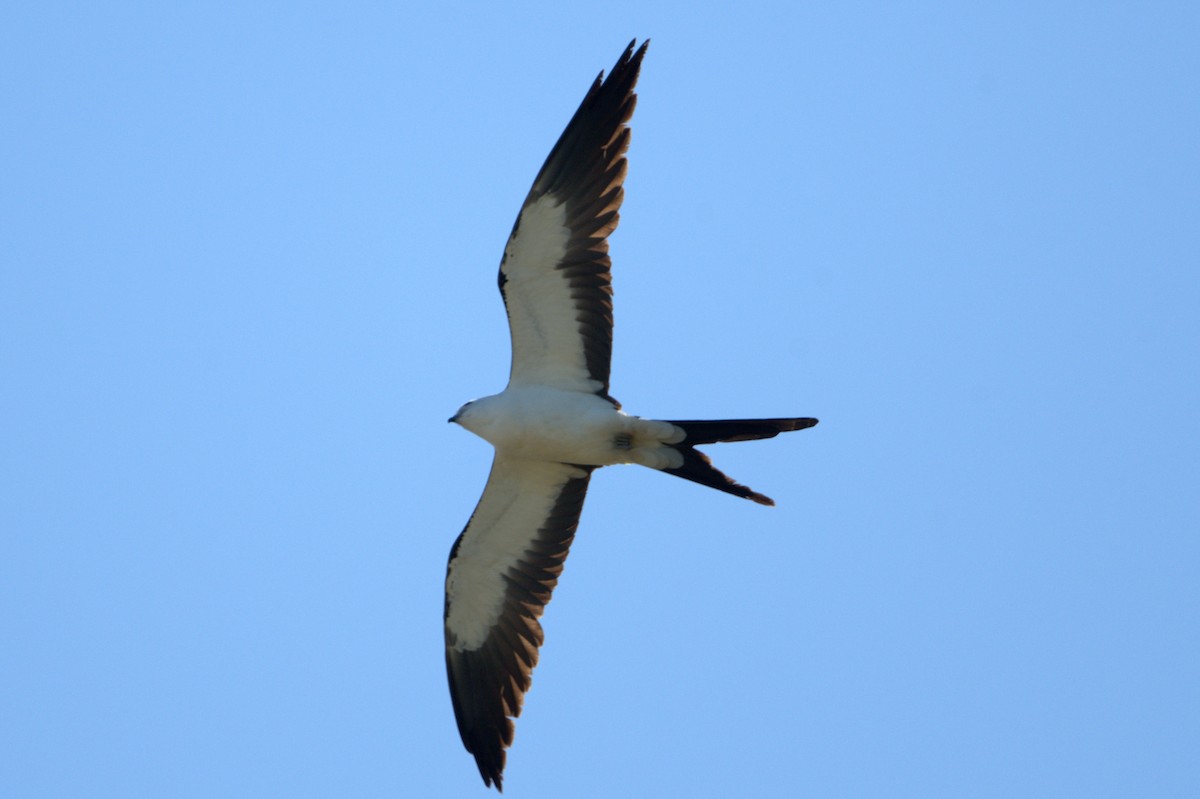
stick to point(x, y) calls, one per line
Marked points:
point(247, 271)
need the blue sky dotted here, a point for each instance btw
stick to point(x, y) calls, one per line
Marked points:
point(247, 270)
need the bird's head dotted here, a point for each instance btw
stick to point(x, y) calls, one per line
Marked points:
point(479, 416)
point(461, 416)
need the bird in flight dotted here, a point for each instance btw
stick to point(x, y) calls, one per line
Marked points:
point(555, 422)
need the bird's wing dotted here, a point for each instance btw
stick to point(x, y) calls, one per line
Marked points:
point(554, 275)
point(501, 572)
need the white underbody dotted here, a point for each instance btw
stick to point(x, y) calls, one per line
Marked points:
point(540, 423)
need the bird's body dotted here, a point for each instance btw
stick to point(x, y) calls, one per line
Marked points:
point(551, 424)
point(555, 422)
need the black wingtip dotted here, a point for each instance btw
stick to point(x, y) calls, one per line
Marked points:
point(630, 57)
point(491, 768)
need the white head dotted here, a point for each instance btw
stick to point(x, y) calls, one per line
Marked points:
point(462, 414)
point(475, 415)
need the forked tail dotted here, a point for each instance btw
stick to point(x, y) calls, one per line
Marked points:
point(699, 469)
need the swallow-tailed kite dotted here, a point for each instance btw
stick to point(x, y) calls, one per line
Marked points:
point(555, 422)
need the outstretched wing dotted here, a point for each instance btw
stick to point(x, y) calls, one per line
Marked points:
point(554, 275)
point(501, 572)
